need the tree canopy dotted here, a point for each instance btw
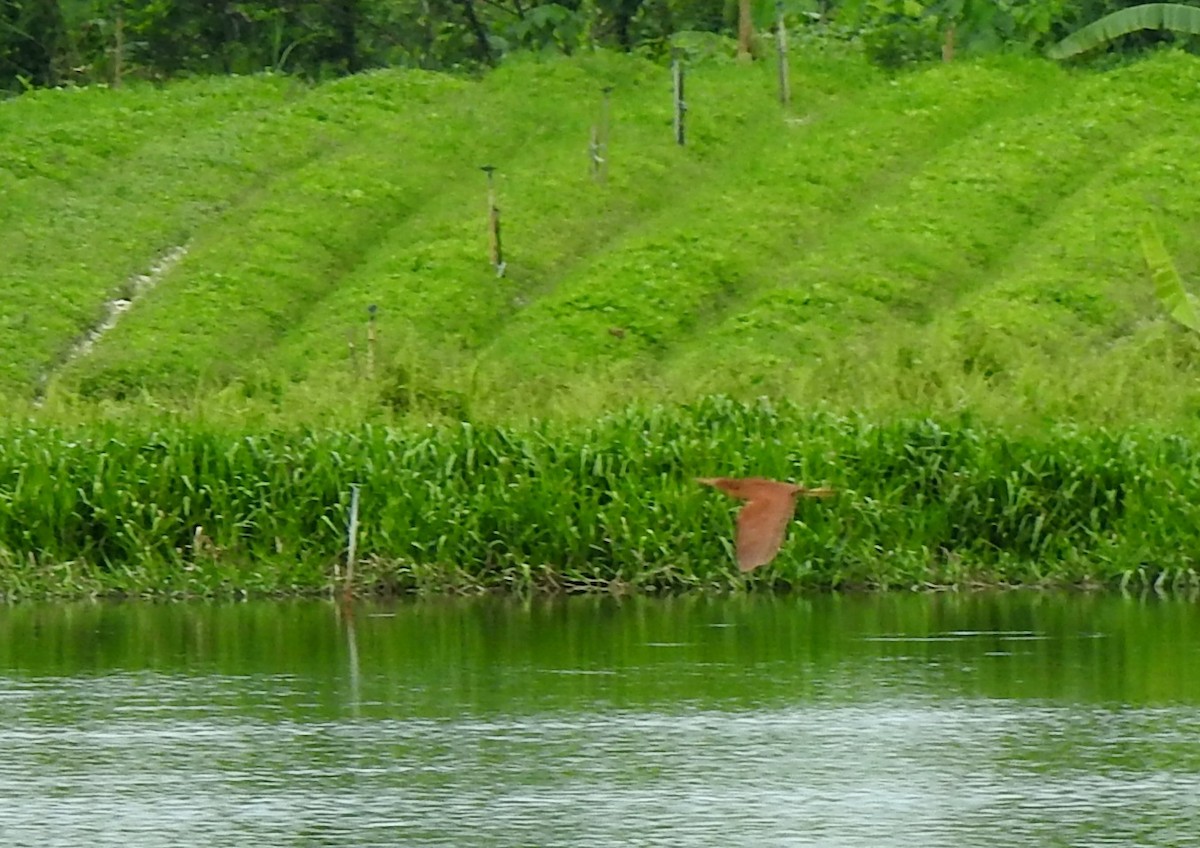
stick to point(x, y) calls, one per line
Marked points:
point(51, 42)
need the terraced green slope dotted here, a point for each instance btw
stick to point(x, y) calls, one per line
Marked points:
point(963, 236)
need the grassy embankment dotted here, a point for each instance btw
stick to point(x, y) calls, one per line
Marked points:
point(961, 237)
point(958, 239)
point(190, 510)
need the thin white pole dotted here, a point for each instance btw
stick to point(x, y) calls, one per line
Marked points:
point(352, 543)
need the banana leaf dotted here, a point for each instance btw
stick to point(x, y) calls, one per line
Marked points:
point(1177, 17)
point(1167, 284)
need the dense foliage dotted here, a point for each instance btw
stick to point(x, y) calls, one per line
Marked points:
point(1001, 274)
point(193, 509)
point(46, 42)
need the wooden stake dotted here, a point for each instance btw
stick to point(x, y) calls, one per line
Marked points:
point(785, 89)
point(495, 253)
point(119, 46)
point(745, 30)
point(948, 45)
point(371, 339)
point(499, 250)
point(602, 136)
point(352, 542)
point(594, 153)
point(680, 105)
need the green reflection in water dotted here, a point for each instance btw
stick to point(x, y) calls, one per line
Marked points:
point(884, 720)
point(447, 656)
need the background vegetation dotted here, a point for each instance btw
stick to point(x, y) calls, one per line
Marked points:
point(49, 42)
point(961, 284)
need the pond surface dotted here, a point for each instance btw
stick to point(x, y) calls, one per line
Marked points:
point(897, 720)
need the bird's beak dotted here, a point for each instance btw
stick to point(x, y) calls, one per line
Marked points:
point(822, 492)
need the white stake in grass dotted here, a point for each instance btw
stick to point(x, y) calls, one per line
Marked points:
point(352, 542)
point(785, 88)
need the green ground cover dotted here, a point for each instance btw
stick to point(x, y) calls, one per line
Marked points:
point(962, 236)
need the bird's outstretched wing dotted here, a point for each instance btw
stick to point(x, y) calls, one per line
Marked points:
point(762, 523)
point(761, 527)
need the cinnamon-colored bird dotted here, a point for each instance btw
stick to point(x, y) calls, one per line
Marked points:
point(762, 523)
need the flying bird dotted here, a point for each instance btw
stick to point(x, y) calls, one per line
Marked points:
point(762, 523)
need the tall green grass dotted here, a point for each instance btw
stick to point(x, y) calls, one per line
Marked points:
point(195, 510)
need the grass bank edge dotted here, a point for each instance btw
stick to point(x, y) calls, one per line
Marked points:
point(193, 510)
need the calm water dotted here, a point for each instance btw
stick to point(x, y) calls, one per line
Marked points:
point(1015, 720)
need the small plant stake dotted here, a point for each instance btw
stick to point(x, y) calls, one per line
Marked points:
point(599, 145)
point(351, 542)
point(118, 43)
point(372, 337)
point(594, 152)
point(785, 89)
point(680, 105)
point(496, 254)
point(745, 49)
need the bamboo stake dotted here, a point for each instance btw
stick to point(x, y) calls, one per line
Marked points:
point(745, 30)
point(785, 88)
point(119, 46)
point(371, 340)
point(495, 252)
point(680, 105)
point(500, 265)
point(600, 138)
point(594, 153)
point(352, 542)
